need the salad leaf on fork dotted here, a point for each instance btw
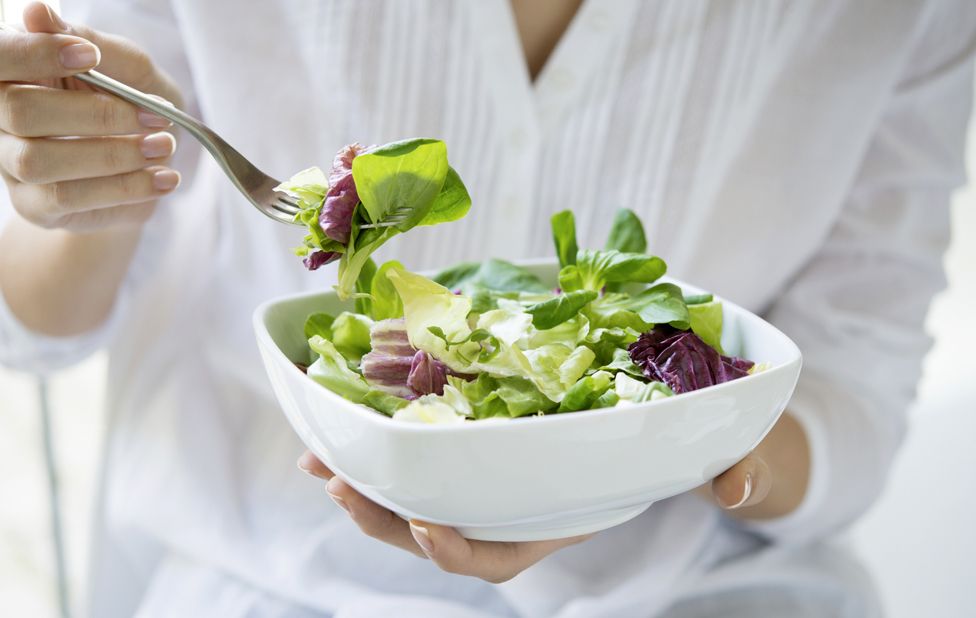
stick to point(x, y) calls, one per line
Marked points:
point(371, 195)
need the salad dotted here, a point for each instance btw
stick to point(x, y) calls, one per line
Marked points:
point(490, 339)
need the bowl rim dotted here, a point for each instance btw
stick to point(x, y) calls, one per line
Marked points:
point(372, 416)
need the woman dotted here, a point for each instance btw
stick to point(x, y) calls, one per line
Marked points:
point(794, 157)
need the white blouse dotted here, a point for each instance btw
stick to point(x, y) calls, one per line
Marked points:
point(794, 157)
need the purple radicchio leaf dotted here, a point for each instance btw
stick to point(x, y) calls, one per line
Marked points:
point(387, 365)
point(683, 361)
point(342, 197)
point(427, 374)
point(320, 258)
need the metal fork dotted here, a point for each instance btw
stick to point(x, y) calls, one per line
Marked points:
point(256, 186)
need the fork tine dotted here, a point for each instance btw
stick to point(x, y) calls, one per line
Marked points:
point(288, 200)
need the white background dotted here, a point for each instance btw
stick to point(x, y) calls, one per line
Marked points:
point(918, 541)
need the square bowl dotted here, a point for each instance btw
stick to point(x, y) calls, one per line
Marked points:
point(537, 477)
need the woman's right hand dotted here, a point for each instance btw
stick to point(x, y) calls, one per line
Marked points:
point(74, 158)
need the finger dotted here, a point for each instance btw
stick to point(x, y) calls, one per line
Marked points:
point(374, 520)
point(101, 218)
point(54, 204)
point(28, 110)
point(744, 484)
point(310, 464)
point(43, 160)
point(491, 561)
point(32, 57)
point(119, 57)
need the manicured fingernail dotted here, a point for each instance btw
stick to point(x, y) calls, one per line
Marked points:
point(57, 19)
point(746, 492)
point(151, 120)
point(304, 464)
point(422, 536)
point(165, 180)
point(341, 503)
point(157, 145)
point(79, 56)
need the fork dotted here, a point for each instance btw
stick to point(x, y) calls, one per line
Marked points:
point(254, 184)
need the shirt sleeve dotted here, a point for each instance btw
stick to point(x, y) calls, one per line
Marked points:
point(153, 26)
point(857, 310)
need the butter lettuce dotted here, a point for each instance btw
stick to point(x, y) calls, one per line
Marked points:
point(350, 335)
point(332, 371)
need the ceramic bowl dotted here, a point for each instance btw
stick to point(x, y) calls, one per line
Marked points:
point(532, 478)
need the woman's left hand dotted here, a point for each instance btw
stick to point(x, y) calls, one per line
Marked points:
point(744, 488)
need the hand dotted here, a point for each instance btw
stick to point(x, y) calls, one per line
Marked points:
point(490, 561)
point(745, 490)
point(113, 168)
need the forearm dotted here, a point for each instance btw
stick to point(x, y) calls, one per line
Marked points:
point(61, 283)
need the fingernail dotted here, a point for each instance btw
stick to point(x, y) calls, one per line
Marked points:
point(151, 120)
point(79, 56)
point(746, 492)
point(57, 19)
point(157, 145)
point(305, 462)
point(422, 536)
point(165, 180)
point(341, 503)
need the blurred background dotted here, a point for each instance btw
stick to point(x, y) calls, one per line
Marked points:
point(916, 541)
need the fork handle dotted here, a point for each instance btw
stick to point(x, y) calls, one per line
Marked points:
point(215, 145)
point(143, 100)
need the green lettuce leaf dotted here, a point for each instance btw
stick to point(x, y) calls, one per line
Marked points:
point(403, 177)
point(621, 362)
point(502, 397)
point(662, 304)
point(501, 276)
point(449, 408)
point(564, 236)
point(332, 371)
point(427, 304)
point(319, 324)
point(706, 322)
point(350, 335)
point(584, 394)
point(386, 303)
point(384, 402)
point(639, 391)
point(627, 233)
point(451, 204)
point(553, 312)
point(364, 281)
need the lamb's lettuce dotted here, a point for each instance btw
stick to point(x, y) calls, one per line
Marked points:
point(626, 233)
point(393, 187)
point(595, 269)
point(553, 312)
point(564, 237)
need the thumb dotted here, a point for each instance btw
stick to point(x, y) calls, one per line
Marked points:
point(39, 17)
point(744, 484)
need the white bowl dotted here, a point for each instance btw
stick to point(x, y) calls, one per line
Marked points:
point(537, 477)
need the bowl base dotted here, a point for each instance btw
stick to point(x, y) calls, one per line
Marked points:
point(554, 528)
